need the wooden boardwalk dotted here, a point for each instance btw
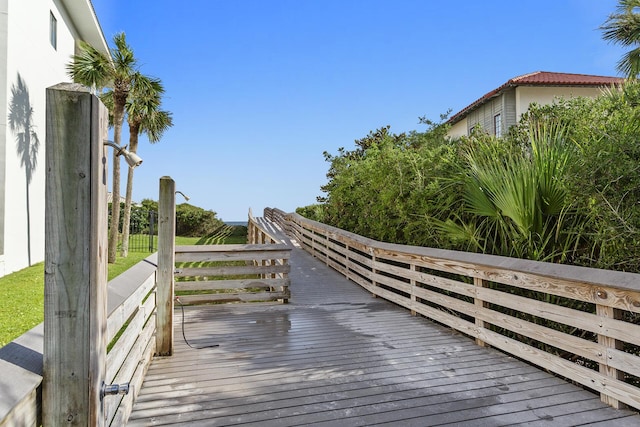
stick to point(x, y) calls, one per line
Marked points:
point(335, 356)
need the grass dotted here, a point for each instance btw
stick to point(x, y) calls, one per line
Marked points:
point(22, 296)
point(180, 240)
point(22, 292)
point(21, 302)
point(186, 240)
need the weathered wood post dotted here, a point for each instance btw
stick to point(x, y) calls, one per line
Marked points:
point(166, 266)
point(610, 343)
point(75, 257)
point(480, 305)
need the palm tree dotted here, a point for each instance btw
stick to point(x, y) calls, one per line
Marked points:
point(623, 27)
point(20, 122)
point(92, 68)
point(144, 116)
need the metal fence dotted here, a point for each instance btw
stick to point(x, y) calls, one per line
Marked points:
point(143, 231)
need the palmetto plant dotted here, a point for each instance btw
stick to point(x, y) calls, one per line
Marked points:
point(515, 202)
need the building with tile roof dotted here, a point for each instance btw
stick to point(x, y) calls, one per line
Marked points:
point(498, 110)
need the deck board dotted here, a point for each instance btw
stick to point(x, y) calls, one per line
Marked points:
point(337, 356)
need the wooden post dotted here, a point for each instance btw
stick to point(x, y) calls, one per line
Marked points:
point(285, 277)
point(480, 304)
point(75, 257)
point(373, 272)
point(412, 282)
point(166, 266)
point(326, 249)
point(250, 238)
point(605, 369)
point(347, 262)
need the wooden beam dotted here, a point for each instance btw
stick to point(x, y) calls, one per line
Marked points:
point(75, 257)
point(166, 266)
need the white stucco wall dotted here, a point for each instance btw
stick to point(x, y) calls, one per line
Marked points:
point(30, 54)
point(458, 130)
point(526, 95)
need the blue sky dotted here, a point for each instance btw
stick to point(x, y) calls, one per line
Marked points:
point(260, 89)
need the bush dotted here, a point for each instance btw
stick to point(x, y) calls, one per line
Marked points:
point(582, 189)
point(194, 221)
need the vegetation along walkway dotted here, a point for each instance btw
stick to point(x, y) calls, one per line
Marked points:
point(337, 356)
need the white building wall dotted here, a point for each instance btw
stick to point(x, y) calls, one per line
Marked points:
point(525, 95)
point(458, 130)
point(40, 65)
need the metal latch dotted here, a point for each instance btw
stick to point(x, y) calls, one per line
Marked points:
point(113, 389)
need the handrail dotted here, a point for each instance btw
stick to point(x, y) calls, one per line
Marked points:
point(260, 272)
point(257, 233)
point(131, 307)
point(578, 322)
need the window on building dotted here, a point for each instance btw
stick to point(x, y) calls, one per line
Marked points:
point(53, 31)
point(497, 125)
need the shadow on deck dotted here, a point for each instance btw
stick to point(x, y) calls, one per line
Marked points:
point(337, 356)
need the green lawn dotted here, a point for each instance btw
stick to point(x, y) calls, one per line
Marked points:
point(22, 293)
point(21, 302)
point(186, 240)
point(22, 296)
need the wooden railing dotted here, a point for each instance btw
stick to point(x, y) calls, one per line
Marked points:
point(131, 328)
point(580, 323)
point(257, 232)
point(131, 307)
point(229, 273)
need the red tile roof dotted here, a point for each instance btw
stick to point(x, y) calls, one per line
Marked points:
point(539, 78)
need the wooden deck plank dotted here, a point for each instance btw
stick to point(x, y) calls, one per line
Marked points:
point(336, 356)
point(283, 397)
point(622, 421)
point(332, 382)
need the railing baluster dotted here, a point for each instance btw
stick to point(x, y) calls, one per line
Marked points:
point(373, 272)
point(480, 305)
point(605, 369)
point(326, 249)
point(347, 261)
point(412, 282)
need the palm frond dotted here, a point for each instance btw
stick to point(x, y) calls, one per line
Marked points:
point(124, 60)
point(90, 67)
point(629, 64)
point(156, 124)
point(143, 108)
point(623, 28)
point(515, 198)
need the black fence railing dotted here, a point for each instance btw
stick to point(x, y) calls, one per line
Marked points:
point(143, 231)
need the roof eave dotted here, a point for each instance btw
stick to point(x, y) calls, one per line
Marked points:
point(458, 117)
point(86, 22)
